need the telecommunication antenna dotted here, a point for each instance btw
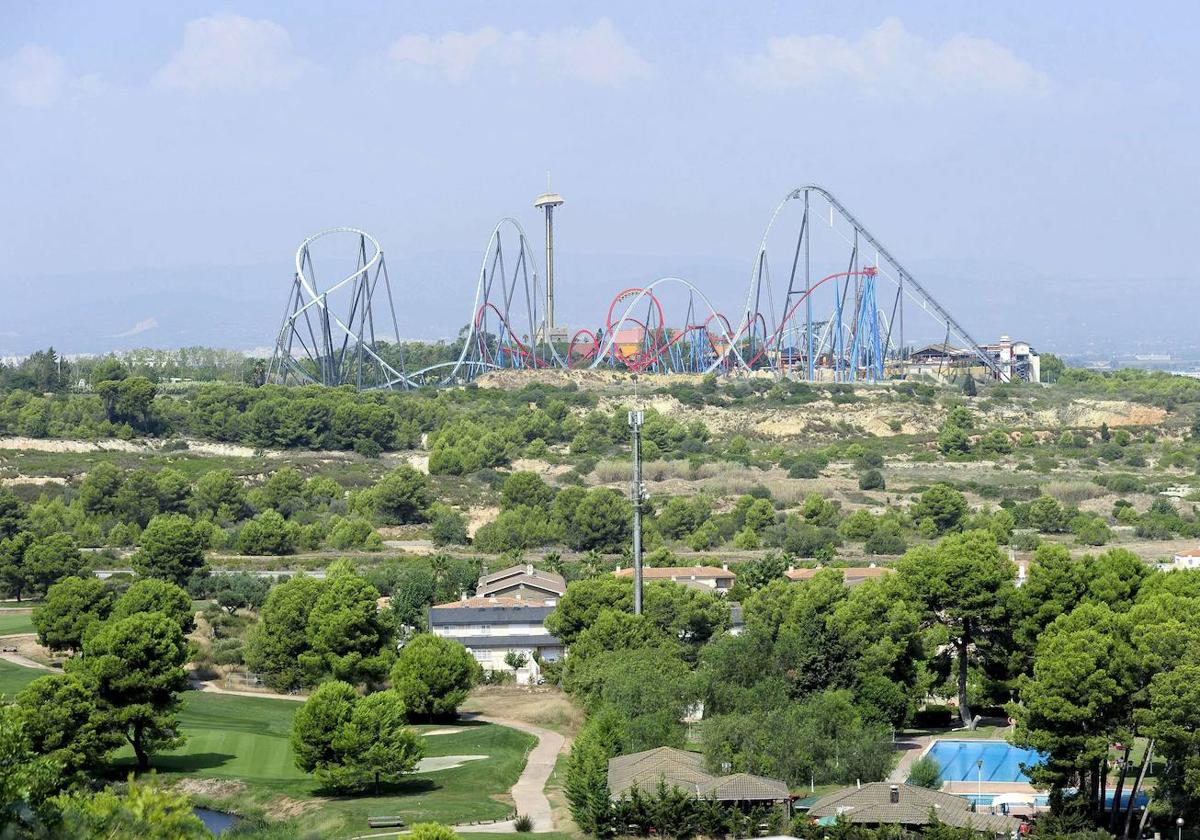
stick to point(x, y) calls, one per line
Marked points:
point(637, 494)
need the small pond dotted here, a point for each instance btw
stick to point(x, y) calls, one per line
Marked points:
point(218, 822)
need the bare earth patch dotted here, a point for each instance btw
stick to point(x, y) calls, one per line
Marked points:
point(445, 762)
point(217, 788)
point(286, 808)
point(543, 706)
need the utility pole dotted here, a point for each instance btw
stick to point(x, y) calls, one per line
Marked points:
point(637, 493)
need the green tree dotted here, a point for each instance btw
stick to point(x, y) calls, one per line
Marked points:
point(276, 644)
point(963, 584)
point(136, 666)
point(760, 515)
point(99, 488)
point(601, 522)
point(13, 571)
point(51, 559)
point(269, 533)
point(525, 488)
point(944, 506)
point(63, 721)
point(1051, 367)
point(1170, 720)
point(284, 491)
point(352, 742)
point(402, 496)
point(72, 607)
point(347, 634)
point(241, 591)
point(221, 494)
point(172, 548)
point(376, 745)
point(1046, 514)
point(448, 526)
point(1077, 699)
point(433, 675)
point(14, 516)
point(586, 777)
point(150, 595)
point(28, 779)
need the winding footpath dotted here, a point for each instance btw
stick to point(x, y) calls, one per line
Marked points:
point(529, 793)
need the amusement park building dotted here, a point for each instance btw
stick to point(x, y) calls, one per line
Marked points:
point(1016, 360)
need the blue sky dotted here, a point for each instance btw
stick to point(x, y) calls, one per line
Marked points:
point(1060, 138)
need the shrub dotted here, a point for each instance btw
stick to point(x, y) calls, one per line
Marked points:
point(933, 717)
point(449, 527)
point(432, 831)
point(925, 772)
point(871, 480)
point(523, 823)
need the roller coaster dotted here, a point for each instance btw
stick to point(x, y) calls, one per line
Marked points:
point(815, 257)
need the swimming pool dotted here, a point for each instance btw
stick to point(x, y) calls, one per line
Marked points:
point(1001, 762)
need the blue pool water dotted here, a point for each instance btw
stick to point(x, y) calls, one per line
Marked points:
point(1001, 762)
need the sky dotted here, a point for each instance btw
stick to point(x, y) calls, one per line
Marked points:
point(153, 154)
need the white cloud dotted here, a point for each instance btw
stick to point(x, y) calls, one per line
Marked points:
point(37, 77)
point(138, 328)
point(597, 55)
point(231, 52)
point(891, 62)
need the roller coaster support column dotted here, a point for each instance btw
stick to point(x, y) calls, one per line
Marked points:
point(637, 493)
point(812, 368)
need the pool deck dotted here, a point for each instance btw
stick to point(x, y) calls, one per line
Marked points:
point(964, 788)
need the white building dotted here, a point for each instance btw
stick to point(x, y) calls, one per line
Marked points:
point(1017, 360)
point(1183, 560)
point(706, 578)
point(494, 626)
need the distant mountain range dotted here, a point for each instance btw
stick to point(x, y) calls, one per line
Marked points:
point(240, 307)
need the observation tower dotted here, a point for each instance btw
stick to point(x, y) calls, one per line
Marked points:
point(547, 201)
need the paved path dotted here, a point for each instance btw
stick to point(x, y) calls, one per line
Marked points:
point(212, 688)
point(529, 793)
point(18, 659)
point(910, 750)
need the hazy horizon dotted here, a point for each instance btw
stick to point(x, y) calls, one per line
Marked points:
point(1007, 156)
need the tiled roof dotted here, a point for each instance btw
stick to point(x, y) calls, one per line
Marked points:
point(552, 587)
point(742, 787)
point(685, 770)
point(871, 804)
point(1191, 552)
point(848, 572)
point(491, 601)
point(671, 572)
point(518, 570)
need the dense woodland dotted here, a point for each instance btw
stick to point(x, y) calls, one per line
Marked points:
point(1095, 648)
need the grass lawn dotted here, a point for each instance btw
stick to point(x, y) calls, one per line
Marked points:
point(13, 621)
point(13, 678)
point(246, 738)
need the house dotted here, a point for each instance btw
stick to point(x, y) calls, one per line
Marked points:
point(1183, 560)
point(884, 803)
point(851, 575)
point(494, 626)
point(705, 578)
point(521, 581)
point(685, 771)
